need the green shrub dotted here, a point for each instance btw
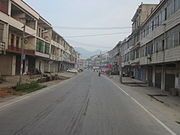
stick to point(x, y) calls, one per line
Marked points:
point(29, 87)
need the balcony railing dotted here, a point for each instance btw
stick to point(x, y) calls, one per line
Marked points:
point(18, 50)
point(2, 47)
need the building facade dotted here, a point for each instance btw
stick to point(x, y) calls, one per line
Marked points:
point(44, 49)
point(152, 52)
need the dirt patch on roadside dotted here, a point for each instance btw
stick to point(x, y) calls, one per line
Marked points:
point(7, 92)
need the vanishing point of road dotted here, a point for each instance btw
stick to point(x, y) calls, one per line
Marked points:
point(84, 105)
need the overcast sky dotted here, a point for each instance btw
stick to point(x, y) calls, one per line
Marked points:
point(89, 13)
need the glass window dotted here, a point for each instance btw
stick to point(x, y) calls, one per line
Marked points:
point(12, 39)
point(179, 38)
point(47, 47)
point(17, 42)
point(40, 46)
point(1, 32)
point(165, 14)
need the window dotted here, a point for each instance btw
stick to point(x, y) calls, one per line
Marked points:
point(137, 53)
point(157, 21)
point(150, 48)
point(165, 14)
point(152, 25)
point(40, 46)
point(42, 34)
point(147, 31)
point(1, 32)
point(160, 17)
point(12, 39)
point(179, 38)
point(176, 39)
point(163, 44)
point(39, 32)
point(156, 46)
point(47, 48)
point(17, 42)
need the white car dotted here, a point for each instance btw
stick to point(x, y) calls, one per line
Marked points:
point(72, 70)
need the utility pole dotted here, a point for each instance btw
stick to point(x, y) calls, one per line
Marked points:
point(22, 54)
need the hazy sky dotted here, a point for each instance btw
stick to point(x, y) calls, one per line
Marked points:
point(89, 13)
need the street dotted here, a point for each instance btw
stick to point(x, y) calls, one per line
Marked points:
point(84, 105)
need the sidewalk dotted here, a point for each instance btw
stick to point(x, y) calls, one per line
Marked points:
point(11, 81)
point(154, 93)
point(7, 92)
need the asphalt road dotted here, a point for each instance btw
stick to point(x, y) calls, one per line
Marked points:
point(84, 105)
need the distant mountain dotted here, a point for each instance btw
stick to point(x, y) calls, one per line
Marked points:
point(86, 53)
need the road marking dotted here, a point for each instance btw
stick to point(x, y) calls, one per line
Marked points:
point(2, 107)
point(146, 110)
point(35, 93)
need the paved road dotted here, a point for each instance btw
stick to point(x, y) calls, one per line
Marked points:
point(84, 105)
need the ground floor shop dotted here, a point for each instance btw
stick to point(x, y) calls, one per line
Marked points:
point(11, 64)
point(165, 76)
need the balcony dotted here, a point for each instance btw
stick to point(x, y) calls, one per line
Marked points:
point(42, 48)
point(2, 47)
point(19, 15)
point(25, 7)
point(17, 50)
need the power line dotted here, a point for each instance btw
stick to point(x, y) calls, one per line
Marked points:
point(91, 28)
point(95, 35)
point(88, 45)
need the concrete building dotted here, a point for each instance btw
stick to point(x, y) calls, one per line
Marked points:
point(44, 49)
point(152, 52)
point(114, 58)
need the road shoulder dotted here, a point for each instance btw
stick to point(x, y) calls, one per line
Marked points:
point(161, 111)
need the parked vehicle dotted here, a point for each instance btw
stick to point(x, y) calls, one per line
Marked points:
point(80, 70)
point(72, 70)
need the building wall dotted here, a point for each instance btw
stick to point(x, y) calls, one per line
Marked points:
point(40, 64)
point(6, 65)
point(13, 24)
point(158, 48)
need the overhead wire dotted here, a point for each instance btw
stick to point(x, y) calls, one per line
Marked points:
point(86, 44)
point(91, 28)
point(95, 35)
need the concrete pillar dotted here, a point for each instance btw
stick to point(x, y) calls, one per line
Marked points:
point(153, 75)
point(9, 8)
point(163, 78)
point(5, 35)
point(14, 65)
point(49, 67)
point(26, 66)
point(146, 77)
point(177, 77)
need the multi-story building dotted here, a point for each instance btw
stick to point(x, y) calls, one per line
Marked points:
point(43, 48)
point(114, 58)
point(152, 52)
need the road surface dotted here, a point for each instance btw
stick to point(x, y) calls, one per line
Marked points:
point(84, 105)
